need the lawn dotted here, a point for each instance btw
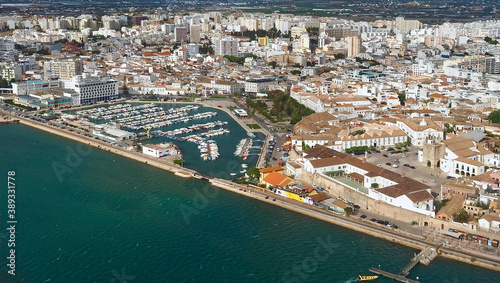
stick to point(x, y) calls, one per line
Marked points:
point(254, 126)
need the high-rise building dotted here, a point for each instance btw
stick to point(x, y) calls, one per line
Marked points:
point(181, 34)
point(194, 33)
point(353, 46)
point(226, 46)
point(92, 89)
point(407, 25)
point(63, 69)
point(136, 21)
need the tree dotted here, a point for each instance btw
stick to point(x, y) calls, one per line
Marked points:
point(339, 56)
point(402, 98)
point(462, 216)
point(253, 173)
point(448, 128)
point(348, 210)
point(494, 116)
point(273, 64)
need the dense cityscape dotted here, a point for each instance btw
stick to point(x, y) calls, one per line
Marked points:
point(379, 116)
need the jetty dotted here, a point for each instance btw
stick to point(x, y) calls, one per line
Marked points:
point(8, 120)
point(424, 257)
point(243, 148)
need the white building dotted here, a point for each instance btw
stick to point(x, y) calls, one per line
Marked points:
point(418, 130)
point(112, 133)
point(257, 85)
point(226, 46)
point(93, 89)
point(64, 69)
point(391, 187)
point(464, 157)
point(33, 87)
point(159, 150)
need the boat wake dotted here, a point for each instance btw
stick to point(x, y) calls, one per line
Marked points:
point(351, 280)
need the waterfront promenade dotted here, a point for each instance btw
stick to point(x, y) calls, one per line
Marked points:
point(401, 237)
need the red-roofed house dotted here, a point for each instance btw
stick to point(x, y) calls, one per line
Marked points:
point(276, 179)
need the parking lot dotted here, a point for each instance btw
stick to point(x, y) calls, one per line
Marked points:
point(421, 172)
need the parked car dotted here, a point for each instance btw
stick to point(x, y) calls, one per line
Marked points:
point(379, 165)
point(450, 177)
point(412, 167)
point(395, 165)
point(432, 180)
point(385, 155)
point(388, 164)
point(406, 165)
point(373, 220)
point(362, 216)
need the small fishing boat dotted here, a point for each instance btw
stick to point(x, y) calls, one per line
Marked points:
point(367, 278)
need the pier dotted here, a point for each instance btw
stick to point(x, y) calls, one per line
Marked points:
point(8, 120)
point(425, 257)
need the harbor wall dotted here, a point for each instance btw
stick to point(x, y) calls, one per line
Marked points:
point(364, 201)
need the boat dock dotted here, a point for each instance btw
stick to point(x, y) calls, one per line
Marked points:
point(396, 277)
point(243, 147)
point(425, 257)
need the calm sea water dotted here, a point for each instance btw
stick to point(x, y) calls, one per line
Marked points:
point(86, 215)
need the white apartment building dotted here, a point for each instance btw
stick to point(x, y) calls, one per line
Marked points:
point(64, 69)
point(226, 46)
point(92, 89)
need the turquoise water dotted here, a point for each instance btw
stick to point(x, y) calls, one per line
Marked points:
point(105, 218)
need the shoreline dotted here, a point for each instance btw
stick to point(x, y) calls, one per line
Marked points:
point(350, 223)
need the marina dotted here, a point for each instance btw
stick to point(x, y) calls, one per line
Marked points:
point(148, 116)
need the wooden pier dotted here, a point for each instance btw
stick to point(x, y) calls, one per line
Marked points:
point(425, 257)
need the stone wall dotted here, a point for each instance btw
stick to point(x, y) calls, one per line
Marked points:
point(365, 202)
